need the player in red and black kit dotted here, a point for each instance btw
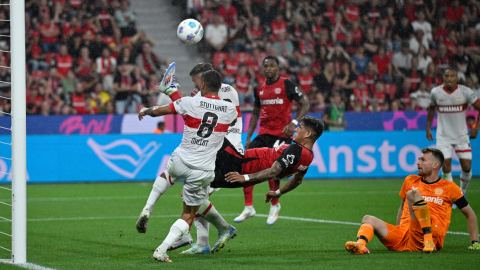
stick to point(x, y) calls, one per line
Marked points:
point(273, 105)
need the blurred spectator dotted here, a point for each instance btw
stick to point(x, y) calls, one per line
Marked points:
point(97, 46)
point(216, 36)
point(380, 98)
point(109, 108)
point(99, 97)
point(78, 99)
point(84, 63)
point(471, 122)
point(433, 77)
point(461, 58)
point(104, 13)
point(423, 59)
point(324, 81)
point(414, 75)
point(454, 12)
point(371, 76)
point(401, 61)
point(319, 104)
point(416, 41)
point(283, 46)
point(49, 34)
point(36, 54)
point(66, 110)
point(422, 96)
point(126, 97)
point(75, 45)
point(90, 29)
point(242, 84)
point(64, 61)
point(403, 94)
point(370, 44)
point(91, 78)
point(424, 26)
point(403, 31)
point(361, 93)
point(106, 66)
point(383, 65)
point(125, 19)
point(360, 61)
point(149, 61)
point(333, 116)
point(228, 13)
point(305, 80)
point(442, 61)
point(160, 128)
point(45, 109)
point(138, 40)
point(69, 83)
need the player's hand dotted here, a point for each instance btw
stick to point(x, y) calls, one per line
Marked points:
point(473, 133)
point(247, 143)
point(288, 130)
point(142, 113)
point(270, 196)
point(234, 177)
point(475, 246)
point(193, 93)
point(429, 135)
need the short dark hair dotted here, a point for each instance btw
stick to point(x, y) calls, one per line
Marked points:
point(314, 124)
point(201, 68)
point(272, 57)
point(451, 68)
point(471, 117)
point(212, 79)
point(437, 154)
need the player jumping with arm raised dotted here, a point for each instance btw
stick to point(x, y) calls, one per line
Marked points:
point(207, 121)
point(451, 100)
point(424, 215)
point(273, 106)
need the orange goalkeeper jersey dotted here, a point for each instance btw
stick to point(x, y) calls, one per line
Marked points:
point(439, 195)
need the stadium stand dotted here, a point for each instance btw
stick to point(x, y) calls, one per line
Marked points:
point(328, 46)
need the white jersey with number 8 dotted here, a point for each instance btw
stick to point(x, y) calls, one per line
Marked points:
point(452, 110)
point(207, 120)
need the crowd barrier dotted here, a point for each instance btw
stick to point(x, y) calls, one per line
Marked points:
point(92, 158)
point(129, 124)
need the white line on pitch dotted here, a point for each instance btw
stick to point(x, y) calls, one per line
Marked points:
point(170, 216)
point(27, 265)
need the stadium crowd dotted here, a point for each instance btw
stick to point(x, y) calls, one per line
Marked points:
point(83, 57)
point(377, 55)
point(87, 57)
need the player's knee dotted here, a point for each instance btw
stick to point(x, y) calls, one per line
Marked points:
point(466, 167)
point(368, 219)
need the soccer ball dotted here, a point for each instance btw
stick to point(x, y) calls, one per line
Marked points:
point(190, 31)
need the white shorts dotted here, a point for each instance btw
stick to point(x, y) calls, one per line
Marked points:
point(463, 150)
point(197, 182)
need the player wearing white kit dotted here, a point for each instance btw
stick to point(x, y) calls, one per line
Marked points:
point(234, 135)
point(452, 101)
point(207, 119)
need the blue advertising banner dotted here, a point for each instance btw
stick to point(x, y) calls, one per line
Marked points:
point(91, 158)
point(129, 124)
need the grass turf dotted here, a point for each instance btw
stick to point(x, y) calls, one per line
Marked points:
point(92, 226)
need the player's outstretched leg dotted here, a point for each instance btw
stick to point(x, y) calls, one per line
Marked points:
point(249, 211)
point(364, 235)
point(160, 185)
point(275, 206)
point(202, 246)
point(421, 213)
point(168, 83)
point(183, 241)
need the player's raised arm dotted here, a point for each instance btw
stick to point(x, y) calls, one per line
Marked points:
point(294, 94)
point(155, 111)
point(292, 184)
point(264, 175)
point(472, 225)
point(474, 131)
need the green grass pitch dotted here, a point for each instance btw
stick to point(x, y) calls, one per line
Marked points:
point(92, 226)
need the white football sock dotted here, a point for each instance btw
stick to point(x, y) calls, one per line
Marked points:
point(465, 178)
point(159, 187)
point(202, 230)
point(250, 207)
point(178, 229)
point(210, 214)
point(447, 176)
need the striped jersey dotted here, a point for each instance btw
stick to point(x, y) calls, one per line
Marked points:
point(452, 110)
point(207, 119)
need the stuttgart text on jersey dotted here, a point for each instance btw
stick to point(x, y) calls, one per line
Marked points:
point(210, 106)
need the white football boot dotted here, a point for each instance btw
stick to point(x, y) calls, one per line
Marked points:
point(168, 85)
point(160, 257)
point(273, 215)
point(247, 213)
point(223, 237)
point(183, 241)
point(142, 221)
point(197, 249)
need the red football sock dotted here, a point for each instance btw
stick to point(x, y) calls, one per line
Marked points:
point(248, 193)
point(273, 187)
point(175, 96)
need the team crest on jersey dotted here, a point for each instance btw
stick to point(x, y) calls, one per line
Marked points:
point(278, 90)
point(290, 158)
point(438, 191)
point(302, 168)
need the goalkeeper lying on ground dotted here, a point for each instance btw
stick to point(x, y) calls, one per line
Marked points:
point(424, 214)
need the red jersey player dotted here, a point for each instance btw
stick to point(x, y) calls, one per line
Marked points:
point(273, 105)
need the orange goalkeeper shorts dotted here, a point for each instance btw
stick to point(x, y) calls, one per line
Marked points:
point(409, 237)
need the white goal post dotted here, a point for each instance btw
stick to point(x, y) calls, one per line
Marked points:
point(19, 148)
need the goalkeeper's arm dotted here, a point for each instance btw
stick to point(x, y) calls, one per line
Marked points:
point(472, 226)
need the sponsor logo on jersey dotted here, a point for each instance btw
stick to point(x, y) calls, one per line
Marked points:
point(200, 142)
point(452, 108)
point(285, 161)
point(278, 90)
point(261, 92)
point(290, 158)
point(272, 101)
point(302, 168)
point(210, 106)
point(438, 191)
point(436, 200)
point(234, 130)
point(414, 188)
